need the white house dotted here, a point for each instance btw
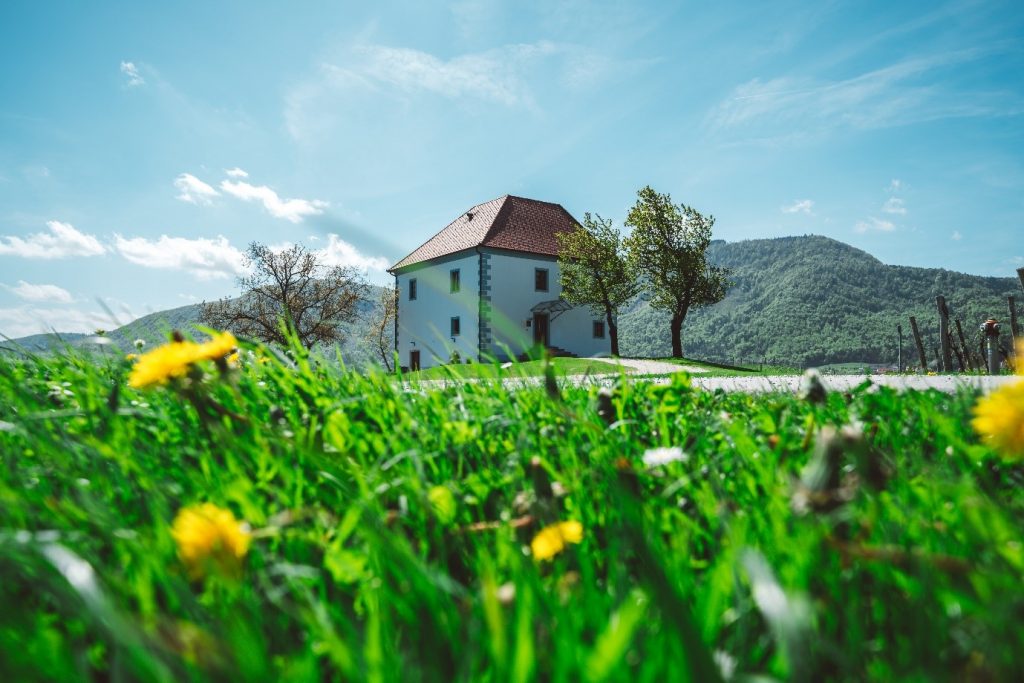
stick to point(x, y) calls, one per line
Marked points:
point(487, 286)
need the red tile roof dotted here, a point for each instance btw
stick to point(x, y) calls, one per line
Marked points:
point(508, 222)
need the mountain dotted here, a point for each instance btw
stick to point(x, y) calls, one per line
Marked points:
point(798, 301)
point(806, 301)
point(156, 328)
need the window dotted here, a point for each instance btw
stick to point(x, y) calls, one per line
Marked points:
point(412, 289)
point(453, 280)
point(456, 327)
point(540, 279)
point(598, 329)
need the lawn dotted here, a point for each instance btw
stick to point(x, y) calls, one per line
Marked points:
point(562, 367)
point(276, 519)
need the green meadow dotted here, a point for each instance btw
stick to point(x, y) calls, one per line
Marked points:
point(725, 536)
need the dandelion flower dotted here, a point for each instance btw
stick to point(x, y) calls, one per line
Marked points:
point(655, 457)
point(551, 540)
point(999, 419)
point(163, 363)
point(209, 537)
point(221, 345)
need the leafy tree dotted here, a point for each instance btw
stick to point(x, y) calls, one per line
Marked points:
point(596, 272)
point(669, 246)
point(381, 333)
point(293, 286)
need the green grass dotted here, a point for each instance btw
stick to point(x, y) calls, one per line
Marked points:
point(535, 368)
point(392, 526)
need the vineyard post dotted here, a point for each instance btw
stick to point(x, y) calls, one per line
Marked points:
point(899, 348)
point(947, 357)
point(1014, 330)
point(920, 346)
point(1020, 276)
point(959, 356)
point(964, 346)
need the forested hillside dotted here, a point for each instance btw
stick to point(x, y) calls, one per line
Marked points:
point(156, 327)
point(799, 301)
point(812, 300)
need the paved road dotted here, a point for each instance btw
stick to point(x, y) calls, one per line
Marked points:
point(778, 383)
point(791, 384)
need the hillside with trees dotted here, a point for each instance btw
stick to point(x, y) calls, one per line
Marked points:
point(812, 300)
point(356, 350)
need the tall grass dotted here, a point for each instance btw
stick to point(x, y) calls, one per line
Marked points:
point(392, 525)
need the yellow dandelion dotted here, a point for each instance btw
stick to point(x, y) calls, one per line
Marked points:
point(551, 540)
point(209, 537)
point(234, 360)
point(999, 419)
point(219, 346)
point(163, 363)
point(131, 357)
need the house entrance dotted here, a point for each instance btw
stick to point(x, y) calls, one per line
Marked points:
point(414, 360)
point(541, 332)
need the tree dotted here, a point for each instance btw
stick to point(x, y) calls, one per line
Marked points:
point(596, 272)
point(381, 333)
point(293, 286)
point(668, 246)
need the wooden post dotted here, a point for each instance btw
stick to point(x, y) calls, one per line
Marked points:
point(938, 359)
point(899, 348)
point(1014, 330)
point(920, 346)
point(1020, 276)
point(947, 357)
point(959, 356)
point(964, 346)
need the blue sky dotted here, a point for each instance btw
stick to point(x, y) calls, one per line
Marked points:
point(143, 145)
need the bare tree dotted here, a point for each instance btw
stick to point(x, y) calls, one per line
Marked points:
point(292, 285)
point(381, 333)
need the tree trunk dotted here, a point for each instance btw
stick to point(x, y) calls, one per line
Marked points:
point(677, 336)
point(613, 331)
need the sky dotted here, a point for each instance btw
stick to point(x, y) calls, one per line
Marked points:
point(143, 146)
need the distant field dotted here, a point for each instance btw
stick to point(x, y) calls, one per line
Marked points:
point(277, 519)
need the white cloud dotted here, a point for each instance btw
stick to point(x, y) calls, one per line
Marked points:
point(236, 173)
point(956, 236)
point(21, 321)
point(509, 75)
point(895, 185)
point(31, 292)
point(874, 225)
point(911, 91)
point(293, 210)
point(206, 259)
point(491, 75)
point(894, 205)
point(132, 72)
point(800, 206)
point(193, 190)
point(338, 252)
point(63, 241)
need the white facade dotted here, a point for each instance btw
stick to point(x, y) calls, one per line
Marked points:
point(510, 295)
point(424, 323)
point(513, 297)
